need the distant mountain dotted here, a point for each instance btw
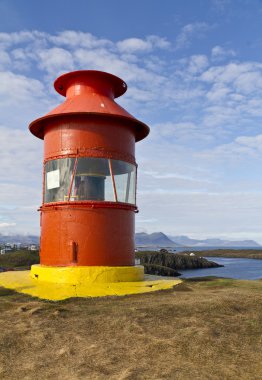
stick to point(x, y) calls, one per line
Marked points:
point(186, 241)
point(156, 239)
point(15, 239)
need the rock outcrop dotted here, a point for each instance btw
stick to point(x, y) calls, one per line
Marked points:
point(169, 261)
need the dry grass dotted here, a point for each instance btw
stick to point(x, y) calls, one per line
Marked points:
point(199, 330)
point(233, 253)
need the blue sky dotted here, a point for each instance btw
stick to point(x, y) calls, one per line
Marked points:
point(194, 75)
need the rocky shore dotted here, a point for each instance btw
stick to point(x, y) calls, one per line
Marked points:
point(168, 264)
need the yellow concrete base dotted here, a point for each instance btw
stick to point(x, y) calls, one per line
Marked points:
point(65, 283)
point(85, 275)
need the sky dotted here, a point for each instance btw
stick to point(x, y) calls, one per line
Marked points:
point(194, 75)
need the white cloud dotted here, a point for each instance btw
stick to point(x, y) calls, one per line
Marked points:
point(183, 133)
point(21, 99)
point(21, 60)
point(233, 94)
point(21, 157)
point(219, 53)
point(18, 38)
point(254, 142)
point(4, 59)
point(233, 72)
point(220, 116)
point(70, 50)
point(102, 58)
point(7, 39)
point(249, 82)
point(77, 39)
point(132, 45)
point(197, 63)
point(189, 32)
point(243, 148)
point(4, 224)
point(55, 60)
point(218, 92)
point(251, 107)
point(18, 87)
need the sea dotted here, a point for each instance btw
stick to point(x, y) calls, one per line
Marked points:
point(238, 268)
point(242, 269)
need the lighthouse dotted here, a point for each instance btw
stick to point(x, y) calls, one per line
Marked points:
point(89, 176)
point(87, 215)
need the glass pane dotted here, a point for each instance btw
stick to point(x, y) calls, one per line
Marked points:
point(90, 179)
point(125, 181)
point(58, 174)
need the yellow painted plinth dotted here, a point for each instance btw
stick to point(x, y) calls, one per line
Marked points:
point(58, 283)
point(76, 275)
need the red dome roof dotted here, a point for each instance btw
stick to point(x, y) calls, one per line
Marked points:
point(90, 92)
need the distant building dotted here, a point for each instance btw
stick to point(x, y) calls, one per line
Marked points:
point(8, 247)
point(5, 249)
point(32, 247)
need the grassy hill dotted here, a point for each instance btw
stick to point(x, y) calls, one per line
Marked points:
point(234, 253)
point(208, 329)
point(21, 259)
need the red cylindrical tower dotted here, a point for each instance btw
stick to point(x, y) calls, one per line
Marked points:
point(89, 175)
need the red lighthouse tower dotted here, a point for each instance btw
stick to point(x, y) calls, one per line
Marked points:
point(89, 175)
point(89, 195)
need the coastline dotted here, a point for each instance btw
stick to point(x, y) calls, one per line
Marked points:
point(229, 252)
point(232, 252)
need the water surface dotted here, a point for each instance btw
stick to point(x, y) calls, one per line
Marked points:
point(244, 269)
